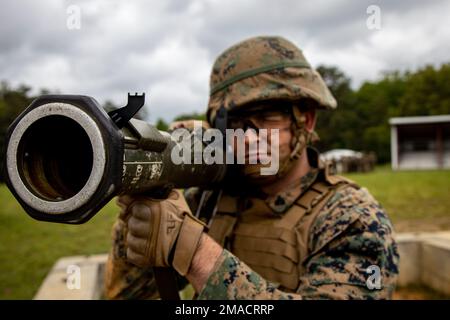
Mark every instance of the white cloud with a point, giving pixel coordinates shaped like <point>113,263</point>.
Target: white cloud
<point>166,48</point>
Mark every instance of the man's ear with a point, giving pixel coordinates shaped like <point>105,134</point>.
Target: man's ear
<point>311,119</point>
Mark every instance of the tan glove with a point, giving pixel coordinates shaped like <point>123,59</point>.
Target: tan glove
<point>162,233</point>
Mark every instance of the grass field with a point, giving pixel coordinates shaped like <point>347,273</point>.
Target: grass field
<point>29,248</point>
<point>414,200</point>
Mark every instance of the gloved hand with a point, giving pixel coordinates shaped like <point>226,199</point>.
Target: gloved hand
<point>161,233</point>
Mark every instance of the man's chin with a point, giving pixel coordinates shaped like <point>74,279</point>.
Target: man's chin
<point>252,174</point>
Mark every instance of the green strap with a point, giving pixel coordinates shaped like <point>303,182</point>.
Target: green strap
<point>253,72</point>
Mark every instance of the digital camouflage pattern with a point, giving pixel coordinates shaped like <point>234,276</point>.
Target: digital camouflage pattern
<point>264,68</point>
<point>350,233</point>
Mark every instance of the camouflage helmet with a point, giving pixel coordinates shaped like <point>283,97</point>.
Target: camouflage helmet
<point>264,68</point>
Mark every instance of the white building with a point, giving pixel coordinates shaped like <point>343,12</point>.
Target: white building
<point>345,160</point>
<point>420,142</point>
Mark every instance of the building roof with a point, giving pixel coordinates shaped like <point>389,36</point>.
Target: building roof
<point>420,119</point>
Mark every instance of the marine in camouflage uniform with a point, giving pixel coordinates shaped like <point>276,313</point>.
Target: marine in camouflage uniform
<point>314,239</point>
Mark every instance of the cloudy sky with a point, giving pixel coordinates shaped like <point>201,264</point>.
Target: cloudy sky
<point>166,48</point>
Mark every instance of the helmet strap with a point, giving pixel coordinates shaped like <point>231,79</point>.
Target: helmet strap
<point>301,137</point>
<point>221,120</point>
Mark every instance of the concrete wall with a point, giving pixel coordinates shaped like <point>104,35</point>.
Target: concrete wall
<point>425,259</point>
<point>58,284</point>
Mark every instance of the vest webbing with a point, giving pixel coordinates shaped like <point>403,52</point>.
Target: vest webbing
<point>274,246</point>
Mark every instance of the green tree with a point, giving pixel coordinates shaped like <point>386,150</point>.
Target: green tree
<point>191,116</point>
<point>338,128</point>
<point>376,103</point>
<point>12,103</point>
<point>427,92</point>
<point>161,125</point>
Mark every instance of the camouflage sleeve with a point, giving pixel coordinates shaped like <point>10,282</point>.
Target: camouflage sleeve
<point>350,234</point>
<point>232,279</point>
<point>122,279</point>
